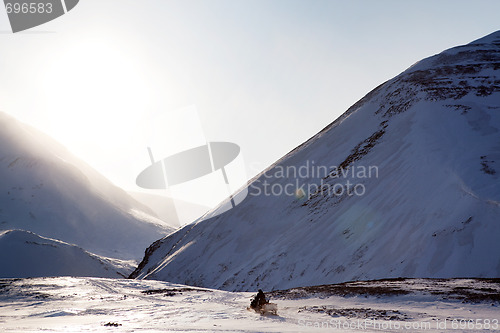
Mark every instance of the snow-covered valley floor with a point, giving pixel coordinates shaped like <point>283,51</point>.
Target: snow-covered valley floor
<point>66,304</point>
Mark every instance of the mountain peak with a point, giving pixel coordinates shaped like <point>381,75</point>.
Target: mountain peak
<point>493,38</point>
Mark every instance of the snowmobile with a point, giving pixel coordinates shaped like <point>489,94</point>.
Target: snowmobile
<point>261,305</point>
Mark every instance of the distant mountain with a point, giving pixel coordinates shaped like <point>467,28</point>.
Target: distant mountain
<point>48,191</point>
<point>165,208</point>
<point>25,254</point>
<point>406,183</point>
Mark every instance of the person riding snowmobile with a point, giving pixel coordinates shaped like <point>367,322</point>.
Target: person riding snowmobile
<point>259,301</point>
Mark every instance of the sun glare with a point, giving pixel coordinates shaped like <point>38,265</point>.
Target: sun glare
<point>95,95</point>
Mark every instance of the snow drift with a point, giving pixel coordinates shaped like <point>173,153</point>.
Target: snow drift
<point>404,184</point>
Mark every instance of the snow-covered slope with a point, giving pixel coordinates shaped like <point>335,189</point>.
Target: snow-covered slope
<point>25,254</point>
<point>46,190</point>
<point>421,197</point>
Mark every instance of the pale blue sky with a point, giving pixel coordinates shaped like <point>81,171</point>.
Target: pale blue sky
<point>266,75</point>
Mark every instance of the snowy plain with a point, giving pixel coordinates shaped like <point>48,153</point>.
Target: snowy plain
<point>66,304</point>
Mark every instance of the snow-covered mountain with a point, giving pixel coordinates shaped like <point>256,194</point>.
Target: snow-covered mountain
<point>48,191</point>
<point>25,254</point>
<point>405,183</point>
